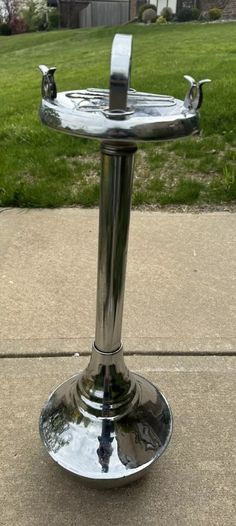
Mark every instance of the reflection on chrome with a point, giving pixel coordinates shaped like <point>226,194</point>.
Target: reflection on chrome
<point>105,449</point>
<point>106,422</point>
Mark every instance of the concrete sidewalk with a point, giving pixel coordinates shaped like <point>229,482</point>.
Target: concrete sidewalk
<point>179,330</point>
<point>180,290</point>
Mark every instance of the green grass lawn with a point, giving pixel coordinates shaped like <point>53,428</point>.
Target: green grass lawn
<point>42,168</point>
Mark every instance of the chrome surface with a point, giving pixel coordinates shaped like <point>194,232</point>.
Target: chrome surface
<point>148,117</point>
<point>194,96</point>
<point>48,87</point>
<point>106,425</point>
<point>120,72</point>
<point>114,216</point>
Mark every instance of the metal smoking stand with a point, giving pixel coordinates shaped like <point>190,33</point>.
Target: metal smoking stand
<point>108,425</point>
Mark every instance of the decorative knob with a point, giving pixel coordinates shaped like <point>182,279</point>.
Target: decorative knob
<point>49,89</point>
<point>194,97</point>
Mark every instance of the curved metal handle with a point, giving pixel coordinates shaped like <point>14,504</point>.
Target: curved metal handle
<point>120,72</point>
<point>48,87</point>
<point>194,96</point>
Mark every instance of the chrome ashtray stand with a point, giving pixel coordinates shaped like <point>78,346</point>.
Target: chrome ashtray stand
<point>108,425</point>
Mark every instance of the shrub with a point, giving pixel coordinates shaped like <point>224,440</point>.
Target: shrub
<point>5,29</point>
<point>214,13</point>
<point>167,13</point>
<point>161,20</point>
<point>149,16</point>
<point>18,25</point>
<point>41,22</point>
<point>53,19</point>
<point>195,13</point>
<point>27,13</point>
<point>186,14</point>
<point>144,8</point>
<point>33,19</point>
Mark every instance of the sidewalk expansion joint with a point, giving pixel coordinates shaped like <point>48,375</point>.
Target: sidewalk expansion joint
<point>84,354</point>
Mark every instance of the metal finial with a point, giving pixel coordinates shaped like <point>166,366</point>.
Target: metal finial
<point>194,96</point>
<point>49,89</point>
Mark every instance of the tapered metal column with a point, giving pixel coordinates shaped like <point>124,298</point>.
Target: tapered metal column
<point>114,217</point>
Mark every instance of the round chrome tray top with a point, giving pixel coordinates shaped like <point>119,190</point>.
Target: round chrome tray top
<point>120,113</point>
<point>148,117</point>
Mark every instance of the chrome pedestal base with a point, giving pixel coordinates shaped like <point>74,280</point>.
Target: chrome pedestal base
<point>106,424</point>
